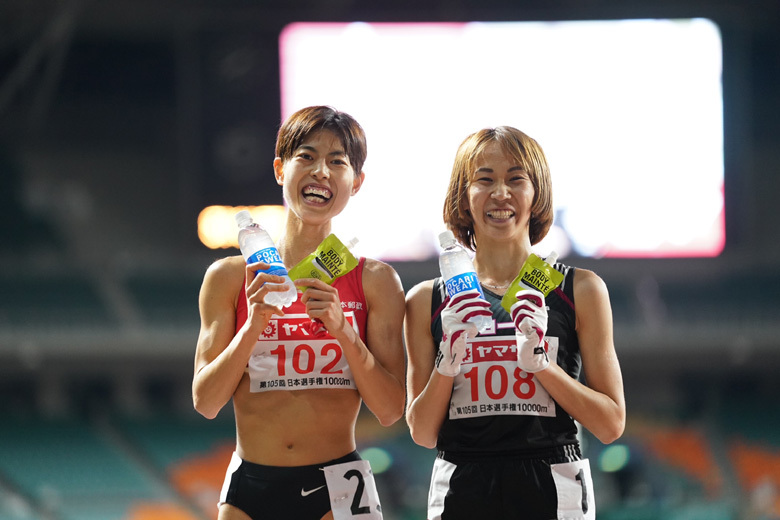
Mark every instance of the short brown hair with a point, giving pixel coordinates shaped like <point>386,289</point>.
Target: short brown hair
<point>527,152</point>
<point>307,120</point>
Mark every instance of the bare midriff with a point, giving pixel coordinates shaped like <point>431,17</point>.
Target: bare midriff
<point>294,427</point>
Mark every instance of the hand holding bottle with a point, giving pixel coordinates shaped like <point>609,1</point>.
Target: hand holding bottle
<point>457,325</point>
<point>256,246</point>
<point>259,284</point>
<point>529,314</point>
<point>459,275</point>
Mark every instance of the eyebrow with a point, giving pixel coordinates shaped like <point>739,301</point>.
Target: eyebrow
<point>490,170</point>
<point>313,149</point>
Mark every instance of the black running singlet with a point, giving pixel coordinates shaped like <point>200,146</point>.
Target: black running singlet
<point>495,406</point>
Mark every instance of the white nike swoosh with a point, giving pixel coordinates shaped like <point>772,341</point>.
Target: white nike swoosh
<point>305,493</point>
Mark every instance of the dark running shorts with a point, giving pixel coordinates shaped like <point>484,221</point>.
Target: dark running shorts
<point>262,492</point>
<point>556,484</point>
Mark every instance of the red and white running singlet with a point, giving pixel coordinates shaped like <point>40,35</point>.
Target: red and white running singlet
<point>296,353</point>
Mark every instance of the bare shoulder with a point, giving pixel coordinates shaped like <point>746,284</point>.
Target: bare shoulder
<point>589,285</point>
<point>420,292</point>
<point>417,322</point>
<point>227,268</point>
<point>225,275</point>
<point>418,302</point>
<point>376,272</point>
<point>591,300</point>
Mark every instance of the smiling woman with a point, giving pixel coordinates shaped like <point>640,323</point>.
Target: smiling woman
<point>507,180</point>
<point>317,175</point>
<point>504,413</point>
<point>297,377</point>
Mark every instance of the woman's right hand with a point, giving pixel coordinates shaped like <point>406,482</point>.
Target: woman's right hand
<point>456,328</point>
<point>257,285</point>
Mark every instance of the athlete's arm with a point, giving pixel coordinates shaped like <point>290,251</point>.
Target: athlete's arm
<point>378,364</point>
<point>222,355</point>
<point>600,406</point>
<point>428,391</point>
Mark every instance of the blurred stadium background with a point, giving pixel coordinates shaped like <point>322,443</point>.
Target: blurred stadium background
<point>121,119</point>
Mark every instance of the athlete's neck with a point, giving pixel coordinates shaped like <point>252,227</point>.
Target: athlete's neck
<point>498,264</point>
<point>300,239</point>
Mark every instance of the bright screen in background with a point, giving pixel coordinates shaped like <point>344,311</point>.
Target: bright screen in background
<point>629,113</point>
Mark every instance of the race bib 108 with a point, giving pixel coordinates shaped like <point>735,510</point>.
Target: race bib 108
<point>491,383</point>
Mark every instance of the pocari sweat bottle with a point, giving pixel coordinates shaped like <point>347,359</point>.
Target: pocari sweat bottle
<point>257,246</point>
<point>459,274</point>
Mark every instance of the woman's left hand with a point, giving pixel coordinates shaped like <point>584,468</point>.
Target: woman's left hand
<point>322,304</point>
<point>529,314</point>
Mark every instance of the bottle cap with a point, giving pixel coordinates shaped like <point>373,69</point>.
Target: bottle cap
<point>352,243</point>
<point>243,218</point>
<point>446,239</point>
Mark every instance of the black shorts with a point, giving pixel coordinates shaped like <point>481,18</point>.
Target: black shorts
<point>508,486</point>
<point>297,493</point>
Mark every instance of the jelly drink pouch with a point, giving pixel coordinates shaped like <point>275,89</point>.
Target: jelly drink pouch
<point>330,260</point>
<point>535,274</point>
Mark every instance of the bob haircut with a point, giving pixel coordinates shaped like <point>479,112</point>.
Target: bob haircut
<point>528,154</point>
<point>308,120</point>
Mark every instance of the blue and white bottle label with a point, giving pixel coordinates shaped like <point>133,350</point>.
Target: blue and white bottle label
<point>270,256</point>
<point>463,282</point>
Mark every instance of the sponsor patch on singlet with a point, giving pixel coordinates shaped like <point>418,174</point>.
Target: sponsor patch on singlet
<point>491,383</point>
<point>293,353</point>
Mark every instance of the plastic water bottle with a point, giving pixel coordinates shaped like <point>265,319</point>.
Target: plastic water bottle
<point>459,274</point>
<point>257,246</point>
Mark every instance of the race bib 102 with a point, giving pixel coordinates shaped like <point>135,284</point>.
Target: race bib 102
<point>491,383</point>
<point>290,355</point>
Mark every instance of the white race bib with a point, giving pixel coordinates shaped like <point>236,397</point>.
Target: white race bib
<point>574,485</point>
<point>352,489</point>
<point>491,383</point>
<point>290,356</point>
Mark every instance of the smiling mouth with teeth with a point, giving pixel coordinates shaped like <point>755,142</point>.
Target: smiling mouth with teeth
<point>316,194</point>
<point>501,213</point>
